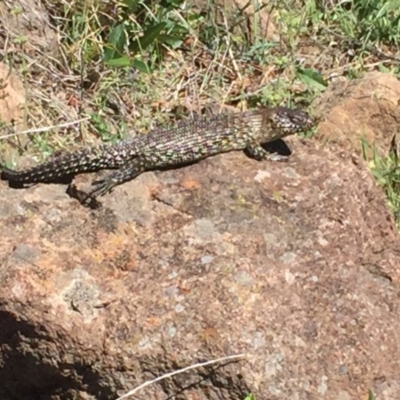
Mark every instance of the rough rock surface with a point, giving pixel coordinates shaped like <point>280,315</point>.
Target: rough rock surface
<point>294,263</point>
<point>12,97</point>
<point>366,108</point>
<point>28,21</point>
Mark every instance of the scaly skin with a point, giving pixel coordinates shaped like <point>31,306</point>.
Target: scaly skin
<point>166,147</point>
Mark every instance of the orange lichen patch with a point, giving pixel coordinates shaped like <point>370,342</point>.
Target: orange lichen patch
<point>190,184</point>
<point>116,249</point>
<point>210,335</point>
<point>152,321</point>
<point>184,290</point>
<point>154,191</point>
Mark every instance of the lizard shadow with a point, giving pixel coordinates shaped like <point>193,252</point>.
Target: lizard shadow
<point>278,146</point>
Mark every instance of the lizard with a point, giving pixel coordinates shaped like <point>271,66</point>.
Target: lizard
<point>186,142</point>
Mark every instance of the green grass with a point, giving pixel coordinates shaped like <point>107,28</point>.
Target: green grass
<point>128,65</point>
<point>386,170</point>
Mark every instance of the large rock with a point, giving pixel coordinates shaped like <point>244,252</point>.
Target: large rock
<point>12,97</point>
<point>293,263</point>
<point>363,109</point>
<point>29,22</point>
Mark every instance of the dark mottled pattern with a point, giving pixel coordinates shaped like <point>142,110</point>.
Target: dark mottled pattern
<point>185,142</point>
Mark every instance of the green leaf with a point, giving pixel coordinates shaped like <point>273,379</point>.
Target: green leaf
<point>170,40</point>
<point>132,5</point>
<point>387,7</point>
<point>116,43</point>
<point>141,66</point>
<point>371,395</point>
<point>148,37</point>
<point>312,79</point>
<point>123,61</point>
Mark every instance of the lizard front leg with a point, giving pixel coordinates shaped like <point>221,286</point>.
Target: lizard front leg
<point>257,152</point>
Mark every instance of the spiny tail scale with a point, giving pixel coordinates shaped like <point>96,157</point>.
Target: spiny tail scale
<point>64,164</point>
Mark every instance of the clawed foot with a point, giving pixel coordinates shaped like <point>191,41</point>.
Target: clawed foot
<point>86,199</point>
<point>101,187</point>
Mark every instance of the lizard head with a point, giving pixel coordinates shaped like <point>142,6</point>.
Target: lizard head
<point>291,120</point>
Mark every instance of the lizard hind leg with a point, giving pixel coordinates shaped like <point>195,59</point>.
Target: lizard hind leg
<point>126,173</point>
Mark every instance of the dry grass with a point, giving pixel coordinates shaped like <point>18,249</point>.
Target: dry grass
<point>71,82</point>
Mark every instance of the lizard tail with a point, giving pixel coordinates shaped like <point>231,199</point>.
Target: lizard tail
<point>64,165</point>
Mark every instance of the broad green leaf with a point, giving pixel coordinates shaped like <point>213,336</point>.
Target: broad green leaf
<point>148,37</point>
<point>123,61</point>
<point>312,79</point>
<point>116,43</point>
<point>132,5</point>
<point>141,66</point>
<point>170,40</point>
